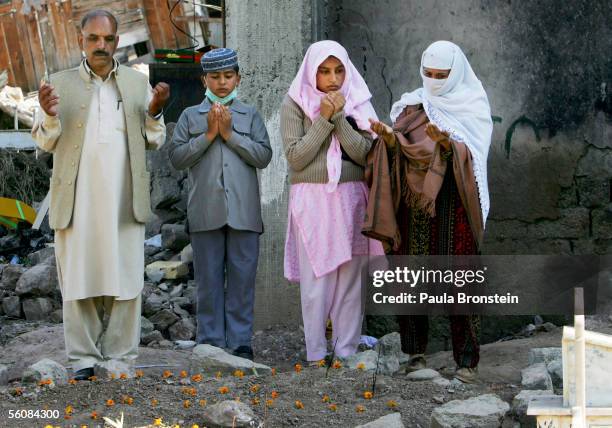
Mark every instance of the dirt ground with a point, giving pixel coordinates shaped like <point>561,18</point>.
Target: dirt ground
<point>155,396</point>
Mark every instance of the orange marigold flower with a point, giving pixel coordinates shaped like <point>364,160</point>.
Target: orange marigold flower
<point>72,382</point>
<point>361,366</point>
<point>224,390</point>
<point>157,422</point>
<point>299,404</point>
<point>255,401</point>
<point>128,400</point>
<point>391,404</point>
<point>298,368</point>
<point>269,403</point>
<point>93,378</point>
<point>186,404</point>
<point>326,399</point>
<point>154,402</point>
<point>167,374</point>
<point>123,376</point>
<point>337,364</point>
<point>68,410</point>
<point>368,395</point>
<point>239,374</point>
<point>332,407</point>
<point>218,375</point>
<point>321,363</point>
<point>110,402</point>
<point>18,391</point>
<point>44,382</point>
<point>113,376</point>
<point>273,371</point>
<point>94,415</point>
<point>255,388</point>
<point>139,373</point>
<point>196,378</point>
<point>67,417</point>
<point>184,374</point>
<point>360,409</point>
<point>202,403</point>
<point>274,394</point>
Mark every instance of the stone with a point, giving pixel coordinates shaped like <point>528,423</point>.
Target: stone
<point>109,368</point>
<point>182,330</point>
<point>45,255</point>
<point>536,377</point>
<point>153,304</point>
<point>176,291</point>
<point>12,306</point>
<point>211,358</point>
<point>392,346</point>
<point>547,326</point>
<point>368,358</point>
<point>45,369</point>
<point>57,316</point>
<point>544,355</point>
<point>423,374</point>
<point>165,192</point>
<point>4,375</point>
<point>40,280</point>
<point>185,344</point>
<point>163,319</point>
<point>184,303</point>
<point>441,381</point>
<point>229,413</point>
<point>146,326</point>
<point>37,309</point>
<point>174,237</point>
<point>392,420</point>
<point>573,223</point>
<point>187,254</point>
<point>10,276</point>
<point>388,365</point>
<point>165,344</point>
<point>602,223</point>
<point>555,369</point>
<point>154,336</point>
<point>484,411</point>
<point>159,270</point>
<point>537,320</point>
<point>520,404</point>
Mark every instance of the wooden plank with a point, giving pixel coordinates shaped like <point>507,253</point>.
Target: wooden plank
<point>25,50</point>
<point>71,34</point>
<point>59,35</point>
<point>182,40</point>
<point>5,60</point>
<point>158,38</point>
<point>36,47</point>
<point>14,48</point>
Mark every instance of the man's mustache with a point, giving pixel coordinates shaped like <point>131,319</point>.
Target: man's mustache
<point>100,53</point>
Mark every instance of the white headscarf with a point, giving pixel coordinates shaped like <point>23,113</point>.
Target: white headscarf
<point>457,105</point>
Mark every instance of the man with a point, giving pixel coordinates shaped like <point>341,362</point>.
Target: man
<point>97,119</point>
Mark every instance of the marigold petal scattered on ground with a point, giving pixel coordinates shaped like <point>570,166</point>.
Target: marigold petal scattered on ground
<point>361,366</point>
<point>186,404</point>
<point>269,403</point>
<point>94,415</point>
<point>297,368</point>
<point>255,401</point>
<point>224,390</point>
<point>273,371</point>
<point>139,373</point>
<point>254,388</point>
<point>360,409</point>
<point>367,395</point>
<point>113,376</point>
<point>391,404</point>
<point>332,407</point>
<point>157,422</point>
<point>154,402</point>
<point>167,374</point>
<point>18,391</point>
<point>67,417</point>
<point>274,394</point>
<point>68,410</point>
<point>128,400</point>
<point>195,426</point>
<point>93,378</point>
<point>183,374</point>
<point>72,382</point>
<point>337,365</point>
<point>123,376</point>
<point>299,404</point>
<point>321,363</point>
<point>326,399</point>
<point>239,374</point>
<point>218,375</point>
<point>110,402</point>
<point>196,378</point>
<point>202,403</point>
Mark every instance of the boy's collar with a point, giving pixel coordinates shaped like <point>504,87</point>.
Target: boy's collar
<point>236,105</point>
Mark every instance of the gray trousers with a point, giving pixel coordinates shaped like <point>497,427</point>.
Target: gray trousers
<point>225,313</point>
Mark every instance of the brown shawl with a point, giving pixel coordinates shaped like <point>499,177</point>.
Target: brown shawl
<point>416,170</point>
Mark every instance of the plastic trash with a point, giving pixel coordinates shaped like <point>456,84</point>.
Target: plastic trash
<point>155,241</point>
<point>14,260</point>
<point>368,341</point>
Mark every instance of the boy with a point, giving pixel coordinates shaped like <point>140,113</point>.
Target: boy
<point>222,142</point>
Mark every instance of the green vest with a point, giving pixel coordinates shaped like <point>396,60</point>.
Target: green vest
<point>74,90</point>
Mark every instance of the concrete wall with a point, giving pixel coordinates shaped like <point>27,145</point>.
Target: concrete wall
<point>547,69</point>
<point>271,37</point>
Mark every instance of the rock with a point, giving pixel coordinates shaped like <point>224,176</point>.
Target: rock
<point>442,381</point>
<point>10,276</point>
<point>180,312</point>
<point>12,306</point>
<point>154,303</point>
<point>529,329</point>
<point>154,336</point>
<point>159,270</point>
<point>163,319</point>
<point>211,358</point>
<point>368,358</point>
<point>146,326</point>
<point>57,316</point>
<point>520,404</point>
<point>41,280</point>
<point>187,254</point>
<point>165,344</point>
<point>536,377</point>
<point>423,374</point>
<point>106,369</point>
<point>182,330</point>
<point>392,420</point>
<point>163,287</point>
<point>537,320</point>
<point>45,369</point>
<point>555,370</point>
<point>185,344</point>
<point>438,399</point>
<point>174,237</point>
<point>4,377</point>
<point>388,365</point>
<point>544,355</point>
<point>37,309</point>
<point>165,192</point>
<point>479,412</point>
<point>229,413</point>
<point>547,326</point>
<point>184,303</point>
<point>392,346</point>
<point>46,256</point>
<point>176,291</point>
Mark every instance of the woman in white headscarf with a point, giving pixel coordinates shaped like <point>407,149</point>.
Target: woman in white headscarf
<point>428,184</point>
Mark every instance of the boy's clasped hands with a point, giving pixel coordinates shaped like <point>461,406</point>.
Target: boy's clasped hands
<point>219,122</point>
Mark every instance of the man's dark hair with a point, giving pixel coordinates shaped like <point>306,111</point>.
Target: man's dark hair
<point>235,68</point>
<point>96,13</point>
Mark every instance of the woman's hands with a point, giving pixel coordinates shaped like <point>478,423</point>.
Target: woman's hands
<point>438,136</point>
<point>332,103</point>
<point>385,132</point>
